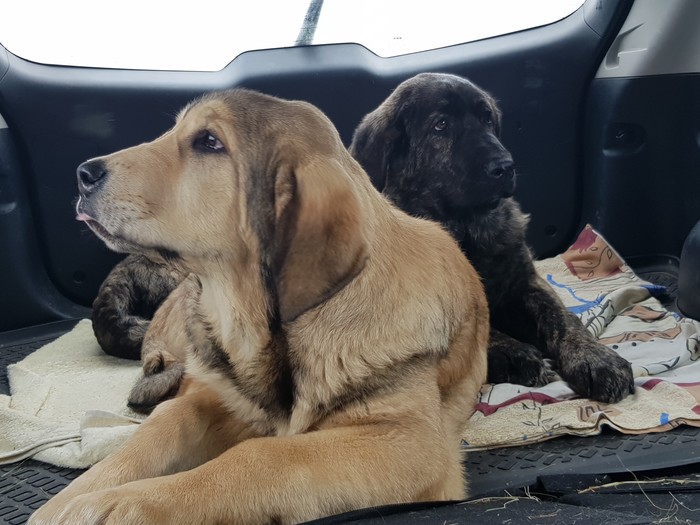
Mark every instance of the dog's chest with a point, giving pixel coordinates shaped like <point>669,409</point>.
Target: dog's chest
<point>288,380</point>
<point>235,354</point>
<point>271,388</point>
<point>259,388</point>
<point>495,244</point>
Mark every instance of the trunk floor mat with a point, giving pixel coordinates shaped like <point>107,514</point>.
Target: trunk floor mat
<point>538,483</point>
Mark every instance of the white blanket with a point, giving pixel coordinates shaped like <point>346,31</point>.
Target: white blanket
<point>68,403</point>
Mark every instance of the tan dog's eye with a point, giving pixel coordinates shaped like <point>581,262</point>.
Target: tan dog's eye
<point>441,125</point>
<point>208,143</point>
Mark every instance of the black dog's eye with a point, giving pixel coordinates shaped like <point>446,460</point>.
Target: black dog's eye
<point>487,117</point>
<point>441,125</point>
<point>207,142</point>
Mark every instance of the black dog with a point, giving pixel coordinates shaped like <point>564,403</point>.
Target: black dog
<point>432,147</point>
<point>127,301</point>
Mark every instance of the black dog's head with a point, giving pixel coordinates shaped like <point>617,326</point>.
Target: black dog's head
<point>433,147</point>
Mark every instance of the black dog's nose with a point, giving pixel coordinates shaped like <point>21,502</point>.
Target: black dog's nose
<point>90,175</point>
<point>502,168</point>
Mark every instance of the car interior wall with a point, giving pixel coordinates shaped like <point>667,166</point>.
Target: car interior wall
<point>642,131</point>
<point>642,161</point>
<point>28,295</point>
<point>60,116</point>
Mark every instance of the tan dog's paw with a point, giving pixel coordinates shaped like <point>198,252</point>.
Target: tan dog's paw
<point>51,510</point>
<point>46,515</point>
<point>93,480</point>
<point>120,505</point>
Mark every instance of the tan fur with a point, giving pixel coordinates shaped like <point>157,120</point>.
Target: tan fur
<point>380,319</point>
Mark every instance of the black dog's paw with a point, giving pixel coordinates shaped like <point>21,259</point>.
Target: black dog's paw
<point>517,363</point>
<point>152,389</point>
<point>596,372</point>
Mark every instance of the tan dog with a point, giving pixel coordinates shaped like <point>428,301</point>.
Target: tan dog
<point>337,343</point>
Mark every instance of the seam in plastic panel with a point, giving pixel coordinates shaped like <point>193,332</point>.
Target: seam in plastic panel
<point>5,61</point>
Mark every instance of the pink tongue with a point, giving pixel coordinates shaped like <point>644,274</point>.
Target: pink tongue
<point>80,215</point>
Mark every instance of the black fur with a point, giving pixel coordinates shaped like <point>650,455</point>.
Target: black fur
<point>155,386</point>
<point>126,302</point>
<point>432,147</point>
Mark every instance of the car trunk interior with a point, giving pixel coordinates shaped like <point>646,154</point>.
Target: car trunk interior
<point>593,142</point>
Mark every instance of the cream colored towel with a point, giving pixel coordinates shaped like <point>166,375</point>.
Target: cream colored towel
<point>68,403</point>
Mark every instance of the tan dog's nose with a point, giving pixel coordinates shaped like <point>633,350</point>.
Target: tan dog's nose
<point>90,175</point>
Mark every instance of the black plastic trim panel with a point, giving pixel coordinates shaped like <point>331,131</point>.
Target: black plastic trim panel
<point>642,153</point>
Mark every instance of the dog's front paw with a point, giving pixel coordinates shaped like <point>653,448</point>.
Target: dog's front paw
<point>518,363</point>
<point>108,507</point>
<point>50,512</point>
<point>596,372</point>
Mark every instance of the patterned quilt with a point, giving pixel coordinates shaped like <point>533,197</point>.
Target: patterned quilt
<point>623,312</point>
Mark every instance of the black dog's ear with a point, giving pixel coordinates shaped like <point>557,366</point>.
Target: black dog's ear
<point>376,142</point>
<point>496,114</point>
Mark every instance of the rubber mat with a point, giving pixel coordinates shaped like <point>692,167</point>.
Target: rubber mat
<point>492,511</point>
<point>662,271</point>
<point>25,486</point>
<point>495,472</point>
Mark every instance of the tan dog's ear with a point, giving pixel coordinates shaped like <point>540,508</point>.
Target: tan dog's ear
<point>319,243</point>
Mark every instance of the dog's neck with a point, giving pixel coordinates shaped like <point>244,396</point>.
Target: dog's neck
<point>416,202</point>
<point>233,304</point>
<point>468,221</point>
<point>477,229</point>
<point>478,221</point>
<point>483,236</point>
<point>229,328</point>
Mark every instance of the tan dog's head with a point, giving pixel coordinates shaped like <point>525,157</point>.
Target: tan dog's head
<point>241,179</point>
